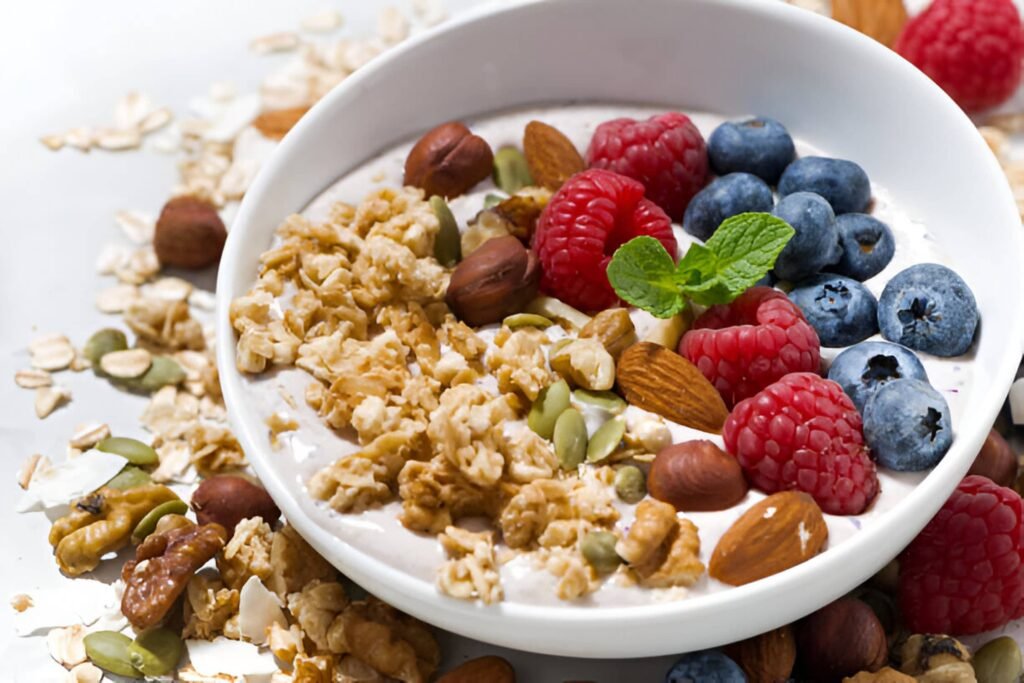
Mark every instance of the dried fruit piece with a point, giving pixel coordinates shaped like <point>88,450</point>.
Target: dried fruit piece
<point>448,160</point>
<point>659,380</point>
<point>773,535</point>
<point>881,19</point>
<point>551,156</point>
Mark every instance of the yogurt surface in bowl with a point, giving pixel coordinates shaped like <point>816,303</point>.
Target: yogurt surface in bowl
<point>377,531</point>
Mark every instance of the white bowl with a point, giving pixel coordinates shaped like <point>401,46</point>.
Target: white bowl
<point>831,86</point>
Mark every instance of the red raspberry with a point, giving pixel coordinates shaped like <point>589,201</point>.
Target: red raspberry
<point>964,573</point>
<point>745,346</point>
<point>591,216</point>
<point>666,153</point>
<point>971,48</point>
<point>804,433</point>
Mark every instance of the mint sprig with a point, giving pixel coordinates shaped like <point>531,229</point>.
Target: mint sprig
<point>740,253</point>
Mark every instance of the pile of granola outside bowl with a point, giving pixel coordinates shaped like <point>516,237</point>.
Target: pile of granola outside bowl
<point>382,258</point>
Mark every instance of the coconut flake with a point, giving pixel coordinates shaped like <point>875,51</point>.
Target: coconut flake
<point>136,225</point>
<point>232,657</point>
<point>73,479</point>
<point>231,119</point>
<point>81,602</point>
<point>66,645</point>
<point>258,610</point>
<point>322,22</point>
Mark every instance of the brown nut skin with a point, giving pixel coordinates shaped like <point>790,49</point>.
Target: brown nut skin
<point>189,233</point>
<point>227,500</point>
<point>996,460</point>
<point>491,669</point>
<point>696,476</point>
<point>448,160</point>
<point>767,658</point>
<point>841,639</point>
<point>495,281</point>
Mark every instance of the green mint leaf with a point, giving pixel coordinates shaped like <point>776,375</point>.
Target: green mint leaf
<point>746,247</point>
<point>644,275</point>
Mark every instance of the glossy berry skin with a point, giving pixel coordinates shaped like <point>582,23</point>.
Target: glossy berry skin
<point>929,308</point>
<point>761,146</point>
<point>744,346</point>
<point>815,245</point>
<point>867,243</point>
<point>842,311</point>
<point>863,369</point>
<point>723,198</point>
<point>804,433</point>
<point>709,666</point>
<point>666,153</point>
<point>591,216</point>
<point>964,573</point>
<point>971,48</point>
<point>843,184</point>
<point>907,426</point>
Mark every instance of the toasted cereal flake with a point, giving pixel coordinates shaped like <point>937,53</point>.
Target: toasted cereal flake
<point>126,364</point>
<point>819,6</point>
<point>21,602</point>
<point>141,265</point>
<point>202,299</point>
<point>238,177</point>
<point>231,120</point>
<point>88,435</point>
<point>54,142</point>
<point>136,225</point>
<point>283,41</point>
<point>111,258</point>
<point>51,352</point>
<point>392,25</point>
<point>81,138</point>
<point>175,463</point>
<point>32,464</point>
<point>169,289</point>
<point>131,109</point>
<point>118,140</point>
<point>79,362</point>
<point>1011,123</point>
<point>66,645</point>
<point>33,379</point>
<point>429,12</point>
<point>117,298</point>
<point>155,120</point>
<point>322,22</point>
<point>86,672</point>
<point>48,399</point>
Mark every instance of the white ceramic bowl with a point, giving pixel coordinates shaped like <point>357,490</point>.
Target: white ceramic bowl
<point>830,85</point>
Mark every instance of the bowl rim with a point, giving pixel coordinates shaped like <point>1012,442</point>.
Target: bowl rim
<point>420,598</point>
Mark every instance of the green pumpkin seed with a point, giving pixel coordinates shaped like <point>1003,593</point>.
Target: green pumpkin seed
<point>526,320</point>
<point>132,450</point>
<point>129,478</point>
<point>491,200</point>
<point>550,403</point>
<point>148,522</point>
<point>103,342</point>
<point>511,172</point>
<point>606,439</point>
<point>448,243</point>
<point>999,661</point>
<point>162,372</point>
<point>608,401</point>
<point>598,548</point>
<point>570,439</point>
<point>109,651</point>
<point>630,484</point>
<point>156,652</point>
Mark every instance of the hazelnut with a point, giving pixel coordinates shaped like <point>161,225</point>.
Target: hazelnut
<point>697,476</point>
<point>448,160</point>
<point>841,639</point>
<point>996,460</point>
<point>767,658</point>
<point>496,280</point>
<point>613,328</point>
<point>228,499</point>
<point>189,233</point>
<point>491,668</point>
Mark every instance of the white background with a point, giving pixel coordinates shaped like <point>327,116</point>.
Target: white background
<point>64,63</point>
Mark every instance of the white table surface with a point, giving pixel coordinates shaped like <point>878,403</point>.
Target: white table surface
<point>65,63</point>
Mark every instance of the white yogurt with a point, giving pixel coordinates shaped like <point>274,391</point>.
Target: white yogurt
<point>378,532</point>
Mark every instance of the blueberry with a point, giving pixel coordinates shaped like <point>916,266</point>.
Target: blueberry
<point>867,243</point>
<point>929,308</point>
<point>816,242</point>
<point>723,198</point>
<point>907,425</point>
<point>842,311</point>
<point>842,183</point>
<point>760,145</point>
<point>709,666</point>
<point>863,369</point>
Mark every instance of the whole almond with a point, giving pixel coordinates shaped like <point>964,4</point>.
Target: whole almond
<point>696,476</point>
<point>491,669</point>
<point>767,658</point>
<point>448,160</point>
<point>551,156</point>
<point>189,233</point>
<point>881,19</point>
<point>660,380</point>
<point>276,123</point>
<point>496,280</point>
<point>779,532</point>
